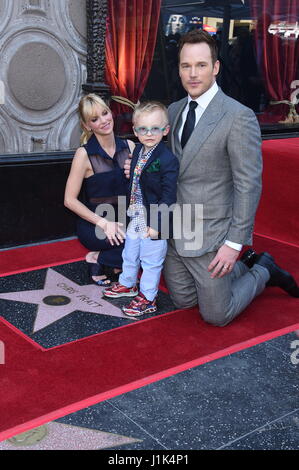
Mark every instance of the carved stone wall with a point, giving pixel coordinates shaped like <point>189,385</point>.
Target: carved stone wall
<point>42,68</point>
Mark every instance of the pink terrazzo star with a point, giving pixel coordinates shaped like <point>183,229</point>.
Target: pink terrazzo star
<point>58,436</point>
<point>60,297</point>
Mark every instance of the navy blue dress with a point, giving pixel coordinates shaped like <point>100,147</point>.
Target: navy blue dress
<point>104,187</point>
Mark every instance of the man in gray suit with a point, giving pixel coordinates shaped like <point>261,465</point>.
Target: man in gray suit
<point>218,143</point>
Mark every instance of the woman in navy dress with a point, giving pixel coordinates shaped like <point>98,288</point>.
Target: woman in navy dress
<point>97,168</point>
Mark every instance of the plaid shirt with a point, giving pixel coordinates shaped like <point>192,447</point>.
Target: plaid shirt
<point>135,210</point>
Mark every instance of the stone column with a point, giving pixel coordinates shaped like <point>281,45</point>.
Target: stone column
<point>96,11</point>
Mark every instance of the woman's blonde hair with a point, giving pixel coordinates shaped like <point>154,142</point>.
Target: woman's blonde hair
<point>149,107</point>
<point>86,112</point>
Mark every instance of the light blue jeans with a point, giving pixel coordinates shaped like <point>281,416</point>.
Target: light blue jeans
<point>150,255</point>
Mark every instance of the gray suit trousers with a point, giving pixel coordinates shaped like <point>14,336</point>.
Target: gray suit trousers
<point>220,300</point>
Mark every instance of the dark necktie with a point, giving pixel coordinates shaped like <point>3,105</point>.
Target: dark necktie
<point>189,123</point>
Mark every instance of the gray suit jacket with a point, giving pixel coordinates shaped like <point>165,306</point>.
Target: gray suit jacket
<point>220,176</point>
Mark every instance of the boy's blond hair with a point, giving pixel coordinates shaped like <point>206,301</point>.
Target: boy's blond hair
<point>149,107</point>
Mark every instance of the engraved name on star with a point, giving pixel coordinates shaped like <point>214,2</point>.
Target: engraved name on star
<point>60,297</point>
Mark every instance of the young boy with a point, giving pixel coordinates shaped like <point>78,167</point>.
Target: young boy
<point>153,181</point>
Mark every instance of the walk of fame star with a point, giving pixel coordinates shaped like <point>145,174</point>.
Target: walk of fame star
<point>60,436</point>
<point>60,297</point>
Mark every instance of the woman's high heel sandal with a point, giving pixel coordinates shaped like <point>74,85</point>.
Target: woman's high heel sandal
<point>97,269</point>
<point>113,276</point>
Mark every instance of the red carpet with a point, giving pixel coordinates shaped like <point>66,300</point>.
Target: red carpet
<point>40,256</point>
<point>39,385</point>
<point>277,215</point>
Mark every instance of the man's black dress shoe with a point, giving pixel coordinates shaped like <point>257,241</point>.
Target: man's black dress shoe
<point>278,277</point>
<point>249,257</point>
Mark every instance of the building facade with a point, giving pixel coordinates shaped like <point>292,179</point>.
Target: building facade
<point>53,51</point>
<point>42,68</point>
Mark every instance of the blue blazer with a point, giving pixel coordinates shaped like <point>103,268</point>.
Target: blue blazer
<point>158,183</point>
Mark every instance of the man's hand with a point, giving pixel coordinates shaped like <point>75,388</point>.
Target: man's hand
<point>223,262</point>
<point>127,166</point>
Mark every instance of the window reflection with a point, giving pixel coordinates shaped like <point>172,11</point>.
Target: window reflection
<point>258,51</point>
<point>284,29</point>
<point>176,24</point>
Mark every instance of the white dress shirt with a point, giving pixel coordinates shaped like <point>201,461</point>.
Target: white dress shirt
<point>202,103</point>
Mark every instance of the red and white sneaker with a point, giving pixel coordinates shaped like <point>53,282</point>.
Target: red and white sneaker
<point>118,290</point>
<point>139,306</point>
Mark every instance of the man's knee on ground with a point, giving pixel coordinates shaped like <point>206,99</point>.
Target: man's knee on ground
<point>217,322</point>
<point>181,303</point>
<point>215,318</point>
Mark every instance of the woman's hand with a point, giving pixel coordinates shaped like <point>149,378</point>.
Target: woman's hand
<point>113,231</point>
